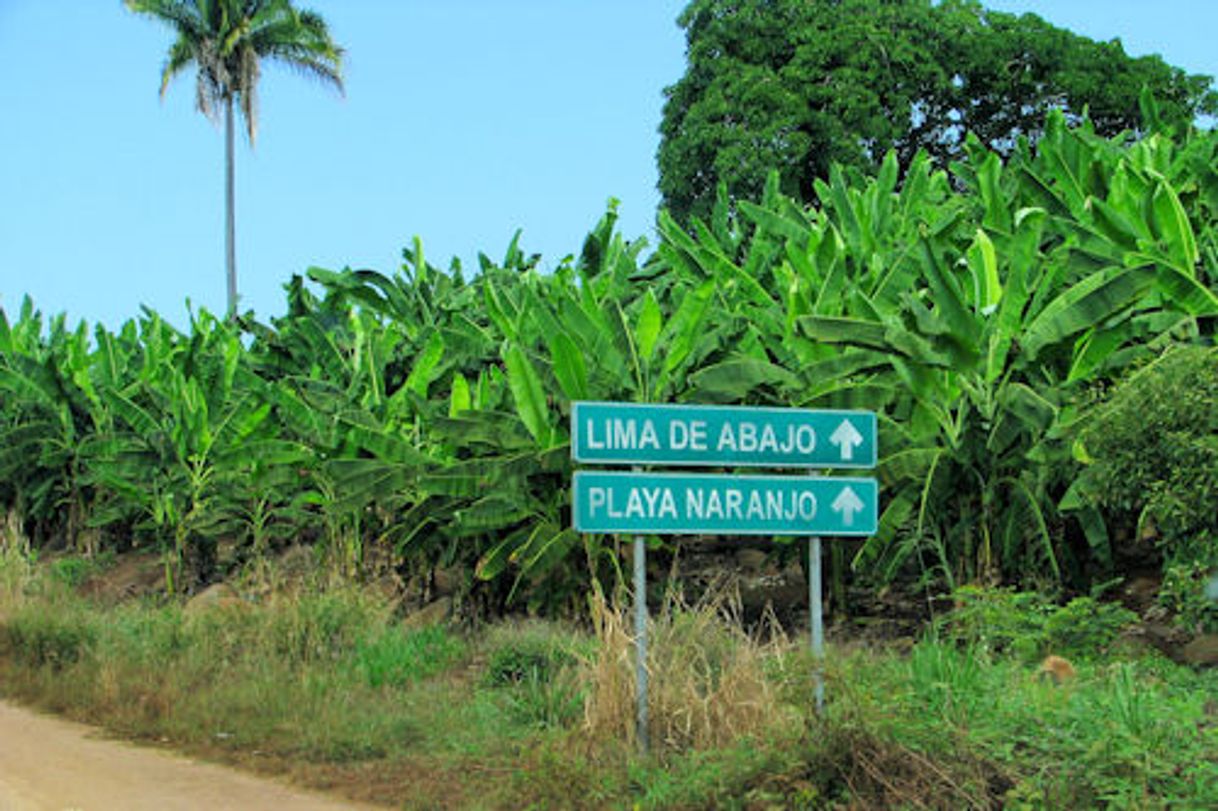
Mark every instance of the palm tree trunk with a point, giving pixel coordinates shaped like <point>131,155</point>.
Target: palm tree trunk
<point>230,238</point>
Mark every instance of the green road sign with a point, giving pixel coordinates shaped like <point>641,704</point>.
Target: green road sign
<point>714,504</point>
<point>721,436</point>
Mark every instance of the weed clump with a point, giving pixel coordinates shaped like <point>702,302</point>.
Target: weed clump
<point>49,639</point>
<point>396,657</point>
<point>535,668</point>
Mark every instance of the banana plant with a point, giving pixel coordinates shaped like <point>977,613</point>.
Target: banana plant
<point>989,349</point>
<point>49,405</point>
<point>185,431</point>
<point>426,412</point>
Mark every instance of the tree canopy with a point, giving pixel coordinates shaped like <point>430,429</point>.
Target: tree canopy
<point>797,85</point>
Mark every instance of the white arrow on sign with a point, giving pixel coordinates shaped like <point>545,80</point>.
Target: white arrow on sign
<point>846,438</point>
<point>847,503</point>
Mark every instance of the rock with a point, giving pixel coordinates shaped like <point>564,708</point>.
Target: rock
<point>297,562</point>
<point>217,595</point>
<point>1201,651</point>
<point>434,613</point>
<point>1140,593</point>
<point>387,587</point>
<point>1057,670</point>
<point>446,581</point>
<point>133,575</point>
<point>750,561</point>
<point>1157,635</point>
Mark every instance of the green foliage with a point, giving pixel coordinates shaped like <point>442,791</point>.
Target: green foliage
<point>798,86</point>
<point>226,40</point>
<point>16,573</point>
<point>946,680</point>
<point>323,627</point>
<point>396,657</point>
<point>543,702</point>
<point>150,635</point>
<point>1188,589</point>
<point>53,639</point>
<point>1152,450</point>
<point>73,570</point>
<point>997,621</point>
<point>1016,308</point>
<point>1125,735</point>
<point>534,652</point>
<point>1004,622</point>
<point>535,668</point>
<point>1086,627</point>
<point>944,725</point>
<point>420,417</point>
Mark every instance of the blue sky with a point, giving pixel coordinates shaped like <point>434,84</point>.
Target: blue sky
<point>463,121</point>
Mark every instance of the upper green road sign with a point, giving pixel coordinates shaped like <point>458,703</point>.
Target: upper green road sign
<point>721,436</point>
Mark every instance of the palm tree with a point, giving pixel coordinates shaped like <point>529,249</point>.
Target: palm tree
<point>226,40</point>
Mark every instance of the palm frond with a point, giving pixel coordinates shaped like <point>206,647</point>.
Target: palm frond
<point>181,55</point>
<point>227,40</point>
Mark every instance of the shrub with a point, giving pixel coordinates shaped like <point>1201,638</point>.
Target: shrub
<point>42,638</point>
<point>997,621</point>
<point>536,652</point>
<point>1085,626</point>
<point>1028,626</point>
<point>1153,454</point>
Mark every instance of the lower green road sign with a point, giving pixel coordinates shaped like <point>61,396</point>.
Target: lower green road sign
<point>712,504</point>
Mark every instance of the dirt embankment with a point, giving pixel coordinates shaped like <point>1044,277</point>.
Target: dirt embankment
<point>47,764</point>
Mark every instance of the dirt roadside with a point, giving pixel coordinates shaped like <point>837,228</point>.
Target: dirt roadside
<point>48,764</point>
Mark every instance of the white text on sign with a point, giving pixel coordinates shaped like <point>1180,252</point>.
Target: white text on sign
<point>701,503</point>
<point>628,434</point>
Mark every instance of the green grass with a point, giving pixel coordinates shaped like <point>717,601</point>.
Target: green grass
<point>331,688</point>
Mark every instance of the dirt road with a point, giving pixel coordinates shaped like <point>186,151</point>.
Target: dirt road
<point>47,764</point>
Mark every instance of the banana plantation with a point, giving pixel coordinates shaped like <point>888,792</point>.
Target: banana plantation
<point>981,311</point>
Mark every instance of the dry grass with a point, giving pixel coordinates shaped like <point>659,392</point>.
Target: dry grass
<point>16,568</point>
<point>708,683</point>
<point>881,773</point>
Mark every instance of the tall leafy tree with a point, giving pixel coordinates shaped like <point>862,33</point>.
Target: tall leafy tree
<point>226,41</point>
<point>797,85</point>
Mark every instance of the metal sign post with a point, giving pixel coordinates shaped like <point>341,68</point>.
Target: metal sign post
<point>817,621</point>
<point>640,640</point>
